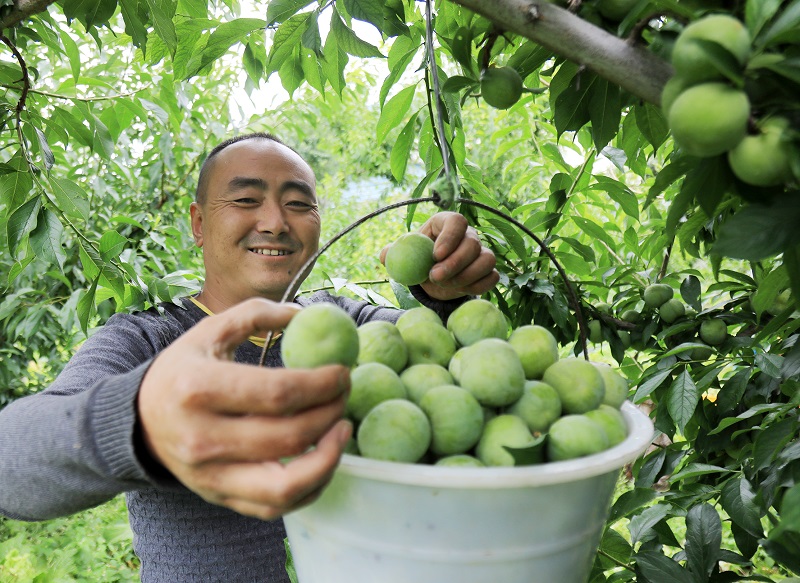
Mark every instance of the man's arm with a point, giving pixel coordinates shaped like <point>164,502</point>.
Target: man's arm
<point>70,447</point>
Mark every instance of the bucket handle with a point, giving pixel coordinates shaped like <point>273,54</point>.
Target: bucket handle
<point>305,270</point>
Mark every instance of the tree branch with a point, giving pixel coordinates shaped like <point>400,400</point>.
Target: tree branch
<point>630,66</point>
<point>22,10</point>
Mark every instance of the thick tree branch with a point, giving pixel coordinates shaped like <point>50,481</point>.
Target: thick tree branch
<point>22,10</point>
<point>630,66</point>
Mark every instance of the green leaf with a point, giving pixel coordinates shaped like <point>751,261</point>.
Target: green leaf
<point>759,231</point>
<point>45,239</point>
<point>690,292</point>
<point>703,540</point>
<point>571,111</point>
<point>163,25</point>
<point>90,260</point>
<point>790,513</point>
<point>397,70</point>
<point>785,28</point>
<point>286,39</point>
<point>620,193</point>
<point>311,37</point>
<point>291,72</point>
<point>651,122</point>
<point>70,197</point>
<point>312,71</point>
<point>135,25</point>
<point>791,363</point>
<point>758,13</point>
<point>593,230</point>
<point>641,524</point>
<point>682,399</point>
<point>394,111</point>
<point>651,383</point>
<point>512,237</point>
<point>15,188</point>
<point>530,454</point>
<point>21,222</point>
<point>279,10</point>
<point>349,42</point>
<point>696,469</point>
<point>367,10</point>
<point>111,245</point>
<point>733,390</point>
<point>85,306</point>
<point>708,182</point>
<point>668,176</point>
<point>630,501</point>
<point>73,54</point>
<point>614,545</point>
<point>604,112</point>
<point>658,568</point>
<point>334,63</point>
<point>401,150</point>
<point>221,40</point>
<point>739,501</point>
<point>769,364</point>
<point>461,49</point>
<point>771,440</point>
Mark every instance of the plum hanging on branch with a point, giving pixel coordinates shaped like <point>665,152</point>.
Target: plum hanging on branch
<point>632,67</point>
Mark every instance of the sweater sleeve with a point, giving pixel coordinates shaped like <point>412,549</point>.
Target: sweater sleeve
<point>71,446</point>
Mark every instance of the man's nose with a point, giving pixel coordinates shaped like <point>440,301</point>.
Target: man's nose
<point>271,218</point>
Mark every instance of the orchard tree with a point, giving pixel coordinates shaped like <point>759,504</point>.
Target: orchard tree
<point>633,163</point>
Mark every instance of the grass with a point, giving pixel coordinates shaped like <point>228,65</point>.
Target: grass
<point>91,546</point>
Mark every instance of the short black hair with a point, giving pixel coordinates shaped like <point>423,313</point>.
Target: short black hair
<point>205,169</point>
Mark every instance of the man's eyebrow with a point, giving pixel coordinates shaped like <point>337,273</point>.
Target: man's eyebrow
<point>243,182</point>
<point>301,186</point>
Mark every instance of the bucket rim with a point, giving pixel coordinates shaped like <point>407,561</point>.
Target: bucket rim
<point>640,436</point>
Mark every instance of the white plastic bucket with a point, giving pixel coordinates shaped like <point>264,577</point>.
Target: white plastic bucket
<point>384,522</point>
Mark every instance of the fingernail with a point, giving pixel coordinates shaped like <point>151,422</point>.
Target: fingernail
<point>345,430</point>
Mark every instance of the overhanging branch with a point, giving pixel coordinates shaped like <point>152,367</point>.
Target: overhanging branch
<point>22,10</point>
<point>630,66</point>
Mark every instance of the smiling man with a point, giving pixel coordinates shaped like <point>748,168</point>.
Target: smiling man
<point>166,405</point>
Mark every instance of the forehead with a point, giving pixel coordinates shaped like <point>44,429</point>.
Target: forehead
<point>261,158</point>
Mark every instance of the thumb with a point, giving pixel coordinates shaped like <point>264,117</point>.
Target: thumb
<point>222,333</point>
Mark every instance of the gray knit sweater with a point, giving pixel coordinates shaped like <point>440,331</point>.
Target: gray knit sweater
<point>75,445</point>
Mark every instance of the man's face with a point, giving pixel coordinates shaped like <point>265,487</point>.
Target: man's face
<point>259,223</point>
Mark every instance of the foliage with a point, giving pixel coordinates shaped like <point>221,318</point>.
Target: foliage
<point>100,146</point>
<point>94,545</point>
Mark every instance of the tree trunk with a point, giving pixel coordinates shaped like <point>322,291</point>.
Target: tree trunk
<point>629,65</point>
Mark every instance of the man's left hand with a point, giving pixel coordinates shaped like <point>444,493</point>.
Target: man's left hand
<point>463,265</point>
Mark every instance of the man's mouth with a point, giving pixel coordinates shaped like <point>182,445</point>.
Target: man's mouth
<point>271,252</point>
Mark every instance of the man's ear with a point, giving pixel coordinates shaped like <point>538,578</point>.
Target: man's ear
<point>196,212</point>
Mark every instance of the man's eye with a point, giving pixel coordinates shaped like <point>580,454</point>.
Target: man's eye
<point>299,204</point>
<point>246,201</point>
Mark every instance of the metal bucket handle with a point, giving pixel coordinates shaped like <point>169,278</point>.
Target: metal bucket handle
<point>305,270</point>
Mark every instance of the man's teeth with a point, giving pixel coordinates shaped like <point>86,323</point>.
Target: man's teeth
<point>269,252</point>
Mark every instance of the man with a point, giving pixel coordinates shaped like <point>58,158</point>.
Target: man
<point>168,407</point>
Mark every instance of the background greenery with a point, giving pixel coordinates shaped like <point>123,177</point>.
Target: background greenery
<point>108,109</point>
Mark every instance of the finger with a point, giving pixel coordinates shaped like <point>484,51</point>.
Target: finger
<point>225,331</point>
<point>469,255</point>
<point>255,438</point>
<point>237,389</point>
<point>267,490</point>
<point>447,229</point>
<point>383,254</point>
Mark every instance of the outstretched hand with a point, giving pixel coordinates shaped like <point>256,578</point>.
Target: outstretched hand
<point>463,265</point>
<point>222,428</point>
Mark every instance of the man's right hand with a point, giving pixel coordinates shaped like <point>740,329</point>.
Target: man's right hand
<point>223,428</point>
